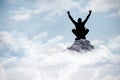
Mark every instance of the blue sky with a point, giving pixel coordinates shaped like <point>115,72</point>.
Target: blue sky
<point>35,16</point>
<point>34,35</point>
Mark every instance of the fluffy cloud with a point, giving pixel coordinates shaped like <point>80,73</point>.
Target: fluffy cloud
<point>52,61</point>
<point>40,36</point>
<point>116,14</point>
<point>103,5</point>
<point>20,17</point>
<point>110,7</point>
<point>114,43</point>
<point>21,14</point>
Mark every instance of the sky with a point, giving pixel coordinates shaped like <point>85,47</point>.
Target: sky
<point>35,16</point>
<point>34,35</point>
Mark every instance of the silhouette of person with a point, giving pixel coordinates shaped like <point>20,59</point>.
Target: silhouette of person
<point>80,32</point>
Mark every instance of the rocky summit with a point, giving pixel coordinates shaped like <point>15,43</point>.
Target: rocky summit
<point>81,45</point>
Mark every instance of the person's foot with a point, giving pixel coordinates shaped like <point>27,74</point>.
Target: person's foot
<point>83,37</point>
<point>77,38</point>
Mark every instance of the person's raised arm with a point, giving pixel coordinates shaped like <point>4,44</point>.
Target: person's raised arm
<point>87,17</point>
<point>68,12</point>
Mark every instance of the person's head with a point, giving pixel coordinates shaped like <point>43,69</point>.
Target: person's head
<point>79,20</point>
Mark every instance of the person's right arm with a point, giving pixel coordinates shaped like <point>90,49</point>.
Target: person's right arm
<point>68,12</point>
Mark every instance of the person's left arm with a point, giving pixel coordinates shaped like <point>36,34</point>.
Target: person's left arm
<point>87,17</point>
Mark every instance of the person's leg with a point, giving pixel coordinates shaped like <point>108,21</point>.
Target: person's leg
<point>75,32</point>
<point>79,34</point>
<point>85,33</point>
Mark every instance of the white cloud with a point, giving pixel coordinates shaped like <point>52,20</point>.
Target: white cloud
<point>116,14</point>
<point>111,7</point>
<point>114,43</point>
<point>5,37</point>
<point>56,7</point>
<point>9,61</point>
<point>20,17</point>
<point>21,14</point>
<point>97,42</point>
<point>3,74</point>
<point>40,36</point>
<point>21,10</point>
<point>49,61</point>
<point>110,77</point>
<point>103,5</point>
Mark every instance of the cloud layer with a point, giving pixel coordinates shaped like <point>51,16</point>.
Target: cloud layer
<point>27,58</point>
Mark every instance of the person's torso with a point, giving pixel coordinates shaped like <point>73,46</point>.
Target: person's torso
<point>80,26</point>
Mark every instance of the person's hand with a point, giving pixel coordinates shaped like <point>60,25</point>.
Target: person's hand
<point>68,12</point>
<point>90,11</point>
